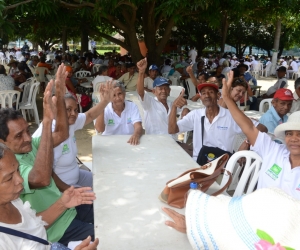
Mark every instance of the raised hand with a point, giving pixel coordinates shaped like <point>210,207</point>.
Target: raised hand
<point>178,222</point>
<point>189,69</point>
<point>73,197</point>
<point>48,105</point>
<point>180,101</point>
<point>85,244</point>
<point>142,65</point>
<point>60,78</point>
<point>107,91</point>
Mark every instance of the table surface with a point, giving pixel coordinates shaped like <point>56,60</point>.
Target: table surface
<point>253,114</point>
<point>87,84</point>
<point>127,181</point>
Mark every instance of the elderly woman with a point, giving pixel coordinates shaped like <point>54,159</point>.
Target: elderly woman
<point>20,217</point>
<point>120,117</point>
<point>65,164</point>
<point>281,163</point>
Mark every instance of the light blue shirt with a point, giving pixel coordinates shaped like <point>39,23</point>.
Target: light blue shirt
<point>271,119</point>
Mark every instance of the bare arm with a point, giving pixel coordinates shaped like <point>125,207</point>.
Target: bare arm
<point>70,198</point>
<point>240,118</point>
<point>189,70</point>
<point>99,124</point>
<point>106,94</point>
<point>142,64</point>
<point>135,138</point>
<point>59,183</point>
<point>40,174</point>
<point>61,132</point>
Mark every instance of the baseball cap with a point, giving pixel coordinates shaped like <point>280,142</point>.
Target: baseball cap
<point>282,69</point>
<point>160,81</point>
<point>203,85</point>
<point>153,67</point>
<point>284,95</point>
<point>179,66</point>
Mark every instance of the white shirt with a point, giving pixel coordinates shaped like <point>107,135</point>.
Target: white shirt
<point>284,63</point>
<point>220,133</point>
<point>6,82</point>
<point>116,125</point>
<point>101,79</point>
<point>156,115</point>
<point>248,64</point>
<point>31,224</point>
<point>192,55</point>
<point>18,54</point>
<point>65,164</point>
<point>277,86</point>
<point>166,69</point>
<point>276,168</point>
<point>296,103</point>
<point>148,83</point>
<point>294,66</point>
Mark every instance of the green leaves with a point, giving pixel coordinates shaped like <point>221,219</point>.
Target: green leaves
<point>264,236</point>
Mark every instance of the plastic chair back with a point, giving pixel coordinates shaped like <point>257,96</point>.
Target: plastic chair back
<point>191,88</point>
<point>165,75</point>
<point>175,91</point>
<point>7,98</point>
<point>82,73</point>
<point>174,80</point>
<point>268,69</point>
<point>250,174</point>
<point>40,73</point>
<point>96,68</point>
<point>262,105</point>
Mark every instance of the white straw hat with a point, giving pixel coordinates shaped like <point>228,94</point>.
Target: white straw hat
<point>293,123</point>
<point>228,223</point>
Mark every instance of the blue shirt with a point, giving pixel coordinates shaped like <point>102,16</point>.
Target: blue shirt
<point>271,119</point>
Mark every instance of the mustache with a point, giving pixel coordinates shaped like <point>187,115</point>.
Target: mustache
<point>24,144</point>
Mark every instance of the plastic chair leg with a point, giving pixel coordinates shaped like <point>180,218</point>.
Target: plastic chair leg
<point>36,115</point>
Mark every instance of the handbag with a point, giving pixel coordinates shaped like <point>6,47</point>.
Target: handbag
<point>81,165</point>
<point>174,194</point>
<point>52,246</point>
<point>206,153</point>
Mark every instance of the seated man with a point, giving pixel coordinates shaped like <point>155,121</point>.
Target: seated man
<point>120,117</point>
<point>157,109</point>
<point>296,94</point>
<point>281,83</point>
<point>35,156</point>
<point>130,78</point>
<point>148,81</point>
<point>219,126</point>
<point>293,68</point>
<point>277,114</point>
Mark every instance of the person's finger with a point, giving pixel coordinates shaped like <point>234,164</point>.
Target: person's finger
<point>182,93</point>
<point>84,189</point>
<point>171,224</point>
<point>84,243</point>
<point>170,212</point>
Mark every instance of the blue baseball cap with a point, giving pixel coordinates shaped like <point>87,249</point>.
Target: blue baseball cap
<point>159,81</point>
<point>153,67</point>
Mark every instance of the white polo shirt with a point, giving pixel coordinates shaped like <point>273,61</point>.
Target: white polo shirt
<point>116,125</point>
<point>276,168</point>
<point>220,133</point>
<point>65,164</point>
<point>296,103</point>
<point>148,83</point>
<point>156,115</point>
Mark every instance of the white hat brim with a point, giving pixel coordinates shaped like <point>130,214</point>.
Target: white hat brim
<point>279,131</point>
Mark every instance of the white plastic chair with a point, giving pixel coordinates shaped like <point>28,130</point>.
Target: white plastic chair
<point>30,103</point>
<point>262,106</point>
<point>165,75</point>
<point>250,172</point>
<point>40,73</point>
<point>96,68</point>
<point>255,71</point>
<point>174,80</point>
<point>191,88</point>
<point>175,91</point>
<point>7,98</point>
<point>296,74</point>
<point>82,73</point>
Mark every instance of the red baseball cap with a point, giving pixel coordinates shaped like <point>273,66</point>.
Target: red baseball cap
<point>207,84</point>
<point>284,95</point>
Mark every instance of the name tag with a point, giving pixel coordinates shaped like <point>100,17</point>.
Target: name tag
<point>222,127</point>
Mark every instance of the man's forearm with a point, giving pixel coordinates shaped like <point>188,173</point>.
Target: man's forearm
<point>172,127</point>
<point>140,84</point>
<point>40,174</point>
<point>99,124</point>
<point>94,112</point>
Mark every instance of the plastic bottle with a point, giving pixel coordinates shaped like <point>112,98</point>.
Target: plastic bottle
<point>193,186</point>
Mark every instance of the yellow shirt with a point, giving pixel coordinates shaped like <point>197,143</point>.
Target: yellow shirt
<point>129,81</point>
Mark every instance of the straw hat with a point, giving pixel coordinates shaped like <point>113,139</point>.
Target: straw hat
<point>228,223</point>
<point>293,123</point>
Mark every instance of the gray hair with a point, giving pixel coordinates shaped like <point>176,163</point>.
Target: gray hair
<point>121,86</point>
<point>3,148</point>
<point>70,96</point>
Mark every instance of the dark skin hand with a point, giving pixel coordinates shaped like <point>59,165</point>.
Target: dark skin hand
<point>178,222</point>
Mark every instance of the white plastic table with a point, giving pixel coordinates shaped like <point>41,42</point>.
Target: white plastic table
<point>253,114</point>
<point>127,181</point>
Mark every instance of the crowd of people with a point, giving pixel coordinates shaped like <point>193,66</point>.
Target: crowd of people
<point>41,170</point>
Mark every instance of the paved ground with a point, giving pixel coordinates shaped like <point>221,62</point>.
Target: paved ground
<point>84,136</point>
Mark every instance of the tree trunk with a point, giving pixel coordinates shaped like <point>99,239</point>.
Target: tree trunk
<point>224,30</point>
<point>84,40</point>
<point>250,50</point>
<point>276,46</point>
<point>64,39</point>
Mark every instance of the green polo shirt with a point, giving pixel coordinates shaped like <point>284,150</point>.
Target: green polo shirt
<point>42,198</point>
